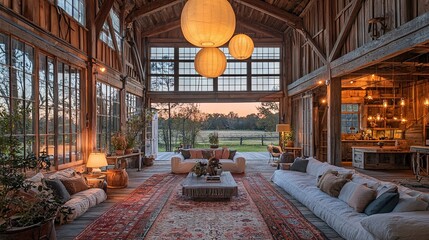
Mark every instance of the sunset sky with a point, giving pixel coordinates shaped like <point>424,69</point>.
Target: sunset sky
<point>242,109</point>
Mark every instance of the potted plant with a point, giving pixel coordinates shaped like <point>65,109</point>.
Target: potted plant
<point>27,210</point>
<point>214,140</point>
<point>288,138</point>
<point>119,143</point>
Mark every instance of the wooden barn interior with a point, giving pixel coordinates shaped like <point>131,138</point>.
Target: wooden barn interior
<point>351,73</point>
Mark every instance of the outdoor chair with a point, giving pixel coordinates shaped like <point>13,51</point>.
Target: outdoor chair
<point>275,153</point>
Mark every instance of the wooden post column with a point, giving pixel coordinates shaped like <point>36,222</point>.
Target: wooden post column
<point>334,120</point>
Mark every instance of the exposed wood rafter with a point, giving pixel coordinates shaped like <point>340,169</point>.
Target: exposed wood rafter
<point>261,28</point>
<point>290,19</point>
<point>150,8</point>
<point>342,37</point>
<point>102,16</point>
<point>158,29</point>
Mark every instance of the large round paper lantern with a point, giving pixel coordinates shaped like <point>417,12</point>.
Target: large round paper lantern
<point>208,23</point>
<point>210,62</point>
<point>241,46</point>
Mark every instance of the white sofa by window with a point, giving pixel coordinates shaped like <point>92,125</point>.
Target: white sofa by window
<point>180,164</point>
<point>342,218</point>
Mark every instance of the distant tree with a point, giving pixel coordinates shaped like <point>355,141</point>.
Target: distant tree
<point>268,113</point>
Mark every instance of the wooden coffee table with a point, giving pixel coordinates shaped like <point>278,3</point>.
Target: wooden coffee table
<point>197,187</point>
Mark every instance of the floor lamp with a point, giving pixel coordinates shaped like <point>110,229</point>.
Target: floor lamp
<point>282,128</point>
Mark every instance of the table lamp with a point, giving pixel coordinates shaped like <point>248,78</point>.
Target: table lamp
<point>95,161</point>
<point>282,128</point>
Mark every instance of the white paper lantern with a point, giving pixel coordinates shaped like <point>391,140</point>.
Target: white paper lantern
<point>241,46</point>
<point>208,23</point>
<point>210,62</point>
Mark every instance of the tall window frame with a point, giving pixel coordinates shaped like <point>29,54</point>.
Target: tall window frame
<point>108,114</point>
<point>74,8</point>
<point>349,117</point>
<point>105,35</point>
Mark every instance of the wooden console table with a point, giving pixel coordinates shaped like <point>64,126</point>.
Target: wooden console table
<point>115,159</point>
<point>381,158</point>
<point>297,151</point>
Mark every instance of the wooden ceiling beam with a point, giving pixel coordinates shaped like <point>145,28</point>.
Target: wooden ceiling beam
<point>205,97</point>
<point>158,29</point>
<point>150,8</point>
<point>342,37</point>
<point>102,16</point>
<point>261,28</point>
<point>261,6</point>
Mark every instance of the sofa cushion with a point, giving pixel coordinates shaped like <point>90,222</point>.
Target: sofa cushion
<point>361,179</point>
<point>196,153</point>
<point>313,166</point>
<point>218,153</point>
<point>58,188</point>
<point>225,153</point>
<point>75,184</point>
<point>299,165</point>
<point>408,204</point>
<point>402,225</point>
<point>186,154</point>
<point>232,154</point>
<point>360,197</point>
<point>207,154</point>
<point>385,203</point>
<point>331,184</point>
<point>386,188</point>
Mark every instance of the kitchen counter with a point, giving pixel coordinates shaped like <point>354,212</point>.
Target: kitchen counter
<point>386,157</point>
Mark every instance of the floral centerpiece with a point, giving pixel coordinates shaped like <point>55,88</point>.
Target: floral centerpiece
<point>119,143</point>
<point>200,168</point>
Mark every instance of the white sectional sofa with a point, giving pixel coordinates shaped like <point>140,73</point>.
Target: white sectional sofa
<point>343,218</point>
<point>180,164</point>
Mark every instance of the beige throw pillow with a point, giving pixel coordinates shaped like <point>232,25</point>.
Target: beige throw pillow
<point>332,184</point>
<point>75,184</point>
<point>361,197</point>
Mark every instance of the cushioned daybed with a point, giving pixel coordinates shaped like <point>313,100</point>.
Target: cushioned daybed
<point>186,159</point>
<point>406,218</point>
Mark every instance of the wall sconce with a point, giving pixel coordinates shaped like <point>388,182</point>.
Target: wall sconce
<point>323,100</point>
<point>426,102</point>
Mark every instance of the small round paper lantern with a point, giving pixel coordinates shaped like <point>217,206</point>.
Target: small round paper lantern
<point>208,23</point>
<point>210,62</point>
<point>241,46</point>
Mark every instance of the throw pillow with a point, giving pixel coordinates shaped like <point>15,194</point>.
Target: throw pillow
<point>218,153</point>
<point>58,188</point>
<point>75,184</point>
<point>232,154</point>
<point>347,191</point>
<point>332,184</point>
<point>196,154</point>
<point>299,165</point>
<point>391,188</point>
<point>401,225</point>
<point>225,153</point>
<point>383,204</point>
<point>276,149</point>
<point>207,154</point>
<point>361,197</point>
<point>320,178</point>
<point>409,204</point>
<point>186,154</point>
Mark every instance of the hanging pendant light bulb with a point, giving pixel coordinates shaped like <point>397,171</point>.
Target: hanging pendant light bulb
<point>402,103</point>
<point>207,23</point>
<point>426,102</point>
<point>210,62</point>
<point>385,103</point>
<point>241,46</point>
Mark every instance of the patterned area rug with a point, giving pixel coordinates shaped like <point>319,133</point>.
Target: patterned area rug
<point>157,210</point>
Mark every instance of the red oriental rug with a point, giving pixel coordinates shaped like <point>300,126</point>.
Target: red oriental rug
<point>157,210</point>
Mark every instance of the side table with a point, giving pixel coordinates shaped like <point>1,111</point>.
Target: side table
<point>96,181</point>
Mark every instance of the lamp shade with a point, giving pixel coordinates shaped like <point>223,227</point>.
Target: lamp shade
<point>96,160</point>
<point>282,127</point>
<point>207,23</point>
<point>241,46</point>
<point>210,62</point>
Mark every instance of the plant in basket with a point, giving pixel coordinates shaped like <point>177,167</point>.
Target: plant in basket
<point>119,143</point>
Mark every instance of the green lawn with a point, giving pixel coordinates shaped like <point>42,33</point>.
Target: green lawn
<point>242,148</point>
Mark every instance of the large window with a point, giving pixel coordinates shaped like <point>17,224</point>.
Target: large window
<point>108,114</point>
<point>75,8</point>
<point>56,95</point>
<point>17,92</point>
<point>260,73</point>
<point>349,118</point>
<point>133,105</point>
<point>105,35</point>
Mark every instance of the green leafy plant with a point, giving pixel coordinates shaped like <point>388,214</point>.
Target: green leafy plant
<point>214,138</point>
<point>22,203</point>
<point>135,126</point>
<point>119,142</point>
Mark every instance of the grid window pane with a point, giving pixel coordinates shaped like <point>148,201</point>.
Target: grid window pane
<point>108,115</point>
<point>265,83</point>
<point>226,83</point>
<point>349,118</point>
<point>195,84</point>
<point>74,8</point>
<point>161,53</point>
